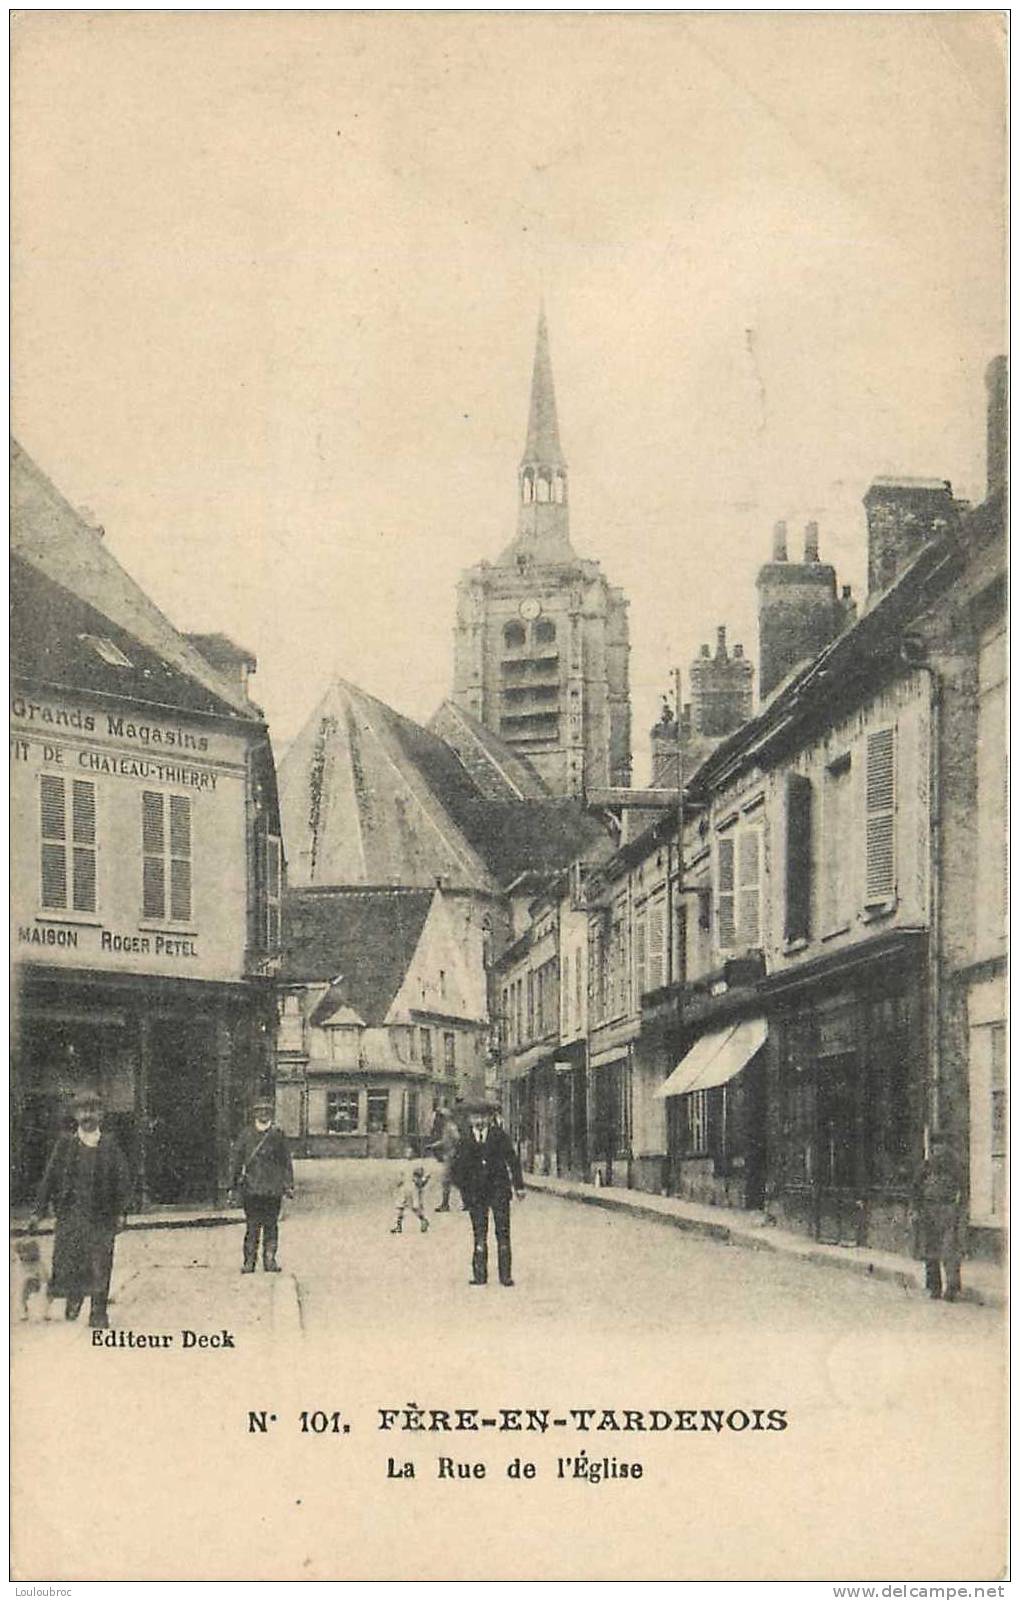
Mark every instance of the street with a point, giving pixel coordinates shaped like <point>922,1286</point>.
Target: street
<point>891,1401</point>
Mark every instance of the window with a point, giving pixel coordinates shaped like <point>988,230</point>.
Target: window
<point>166,856</point>
<point>291,1035</point>
<point>838,861</point>
<point>531,1007</point>
<point>426,1047</point>
<point>880,821</point>
<point>578,1008</point>
<point>545,632</point>
<point>411,1113</point>
<point>640,950</point>
<point>798,857</point>
<point>378,1111</point>
<point>697,1122</point>
<point>67,843</point>
<point>341,1111</point>
<point>412,1043</point>
<point>105,649</point>
<point>514,635</point>
<point>450,1054</point>
<point>344,1045</point>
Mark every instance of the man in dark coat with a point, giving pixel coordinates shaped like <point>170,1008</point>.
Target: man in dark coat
<point>938,1218</point>
<point>486,1169</point>
<point>261,1175</point>
<point>89,1187</point>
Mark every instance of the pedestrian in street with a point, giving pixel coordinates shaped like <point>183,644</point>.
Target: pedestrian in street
<point>411,1184</point>
<point>938,1219</point>
<point>487,1170</point>
<point>445,1148</point>
<point>88,1184</point>
<point>261,1175</point>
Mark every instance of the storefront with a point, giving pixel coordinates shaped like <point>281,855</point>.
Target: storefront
<point>715,1096</point>
<point>846,1093</point>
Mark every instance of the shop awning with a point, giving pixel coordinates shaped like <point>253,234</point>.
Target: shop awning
<point>716,1058</point>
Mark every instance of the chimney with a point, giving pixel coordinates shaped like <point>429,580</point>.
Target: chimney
<point>904,514</point>
<point>721,690</point>
<point>798,614</point>
<point>997,382</point>
<point>666,741</point>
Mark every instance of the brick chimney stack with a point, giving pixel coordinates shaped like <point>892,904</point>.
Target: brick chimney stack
<point>903,515</point>
<point>997,381</point>
<point>798,614</point>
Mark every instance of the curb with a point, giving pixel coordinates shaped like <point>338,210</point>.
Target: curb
<point>907,1278</point>
<point>141,1223</point>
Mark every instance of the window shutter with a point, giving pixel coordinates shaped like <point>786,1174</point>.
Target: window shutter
<point>749,912</point>
<point>656,941</point>
<point>53,849</point>
<point>153,870</point>
<point>725,908</point>
<point>180,890</point>
<point>152,823</point>
<point>640,953</point>
<point>798,856</point>
<point>180,826</point>
<point>880,821</point>
<point>83,833</point>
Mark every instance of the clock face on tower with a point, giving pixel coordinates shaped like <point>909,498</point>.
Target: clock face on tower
<point>530,609</point>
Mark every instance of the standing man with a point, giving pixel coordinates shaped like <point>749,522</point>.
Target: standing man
<point>937,1215</point>
<point>89,1186</point>
<point>262,1174</point>
<point>445,1149</point>
<point>486,1169</point>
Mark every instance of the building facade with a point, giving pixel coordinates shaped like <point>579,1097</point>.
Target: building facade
<point>147,870</point>
<point>541,642</point>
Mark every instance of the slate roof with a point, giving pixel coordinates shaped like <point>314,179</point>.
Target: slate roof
<point>360,942</point>
<point>370,797</point>
<point>497,769</point>
<point>542,446</point>
<point>68,592</point>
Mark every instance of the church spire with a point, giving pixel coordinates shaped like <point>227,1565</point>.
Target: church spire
<point>543,521</point>
<point>542,447</point>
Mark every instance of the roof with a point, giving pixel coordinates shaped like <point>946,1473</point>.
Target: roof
<point>369,797</point>
<point>68,592</point>
<point>358,941</point>
<point>496,768</point>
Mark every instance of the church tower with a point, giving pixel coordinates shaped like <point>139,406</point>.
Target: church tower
<point>541,642</point>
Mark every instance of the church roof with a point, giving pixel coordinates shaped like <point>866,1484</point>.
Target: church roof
<point>358,941</point>
<point>79,620</point>
<point>369,797</point>
<point>542,447</point>
<point>497,769</point>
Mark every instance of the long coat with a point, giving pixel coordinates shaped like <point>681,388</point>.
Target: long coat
<point>937,1203</point>
<point>89,1191</point>
<point>261,1163</point>
<point>486,1170</point>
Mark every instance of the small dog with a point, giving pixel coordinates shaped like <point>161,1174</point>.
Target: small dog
<point>33,1277</point>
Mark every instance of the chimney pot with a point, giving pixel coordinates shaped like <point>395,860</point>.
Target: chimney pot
<point>811,542</point>
<point>847,592</point>
<point>720,648</point>
<point>738,650</point>
<point>779,541</point>
<point>705,651</point>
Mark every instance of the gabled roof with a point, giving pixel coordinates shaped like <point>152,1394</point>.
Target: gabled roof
<point>370,797</point>
<point>69,592</point>
<point>358,941</point>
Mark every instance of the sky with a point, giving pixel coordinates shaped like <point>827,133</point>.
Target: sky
<point>276,277</point>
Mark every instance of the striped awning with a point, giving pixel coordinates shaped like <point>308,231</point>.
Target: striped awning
<point>716,1058</point>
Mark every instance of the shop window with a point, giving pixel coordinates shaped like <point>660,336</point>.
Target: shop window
<point>67,843</point>
<point>880,819</point>
<point>378,1111</point>
<point>166,856</point>
<point>425,1035</point>
<point>341,1111</point>
<point>450,1054</point>
<point>697,1123</point>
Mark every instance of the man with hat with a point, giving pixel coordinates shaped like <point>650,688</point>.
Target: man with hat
<point>937,1213</point>
<point>486,1169</point>
<point>261,1174</point>
<point>88,1185</point>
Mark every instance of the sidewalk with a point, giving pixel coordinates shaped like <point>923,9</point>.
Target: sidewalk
<point>984,1282</point>
<point>154,1217</point>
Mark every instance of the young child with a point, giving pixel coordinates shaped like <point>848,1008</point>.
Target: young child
<point>411,1193</point>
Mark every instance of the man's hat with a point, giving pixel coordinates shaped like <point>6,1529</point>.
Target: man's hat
<point>263,1103</point>
<point>479,1104</point>
<point>87,1101</point>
